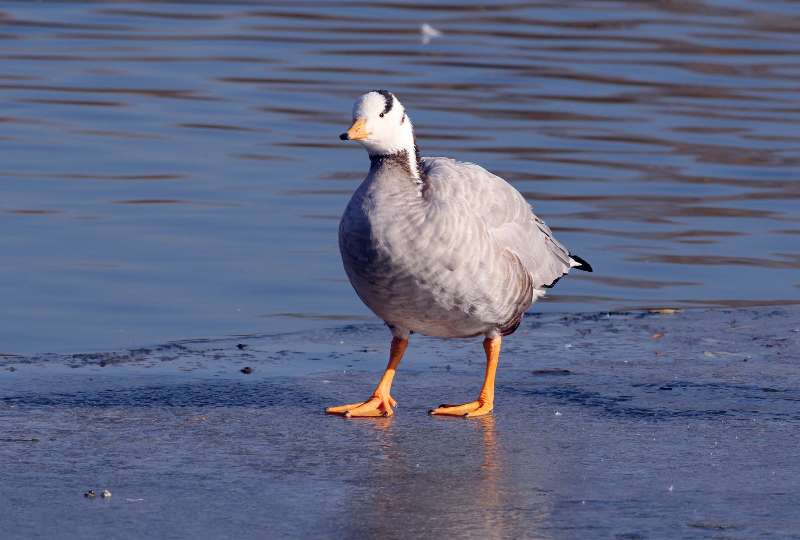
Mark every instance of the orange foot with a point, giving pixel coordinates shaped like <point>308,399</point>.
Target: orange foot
<point>467,410</point>
<point>377,405</point>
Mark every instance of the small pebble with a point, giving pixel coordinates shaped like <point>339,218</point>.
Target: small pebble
<point>241,346</point>
<point>551,371</point>
<point>90,494</point>
<point>246,370</point>
<point>105,494</point>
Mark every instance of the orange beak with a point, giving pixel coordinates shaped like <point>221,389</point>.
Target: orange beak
<point>357,131</point>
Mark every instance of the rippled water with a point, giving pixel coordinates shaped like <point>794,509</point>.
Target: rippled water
<point>172,170</point>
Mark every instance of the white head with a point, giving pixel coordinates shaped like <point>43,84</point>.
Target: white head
<point>381,124</point>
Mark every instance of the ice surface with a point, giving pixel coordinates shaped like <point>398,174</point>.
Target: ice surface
<point>655,438</point>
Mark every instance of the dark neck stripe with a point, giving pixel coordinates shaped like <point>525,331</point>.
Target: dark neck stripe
<point>418,158</point>
<point>400,159</point>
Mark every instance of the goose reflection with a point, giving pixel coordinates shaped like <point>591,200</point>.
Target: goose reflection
<point>447,477</point>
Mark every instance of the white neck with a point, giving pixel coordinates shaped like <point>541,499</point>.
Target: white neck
<point>400,141</point>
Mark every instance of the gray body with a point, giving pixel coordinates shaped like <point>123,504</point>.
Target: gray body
<point>456,253</point>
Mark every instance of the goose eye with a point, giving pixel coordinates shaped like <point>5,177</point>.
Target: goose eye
<point>381,115</point>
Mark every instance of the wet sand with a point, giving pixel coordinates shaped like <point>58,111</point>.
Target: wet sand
<point>607,425</point>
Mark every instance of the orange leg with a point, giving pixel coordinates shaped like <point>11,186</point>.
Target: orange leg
<point>485,402</point>
<point>381,401</point>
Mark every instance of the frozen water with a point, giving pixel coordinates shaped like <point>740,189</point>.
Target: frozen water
<point>656,439</point>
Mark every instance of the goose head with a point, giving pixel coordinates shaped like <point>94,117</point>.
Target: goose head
<point>381,125</point>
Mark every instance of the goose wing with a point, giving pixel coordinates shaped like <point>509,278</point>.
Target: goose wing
<point>509,221</point>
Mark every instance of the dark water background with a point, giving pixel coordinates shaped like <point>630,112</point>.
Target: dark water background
<point>171,170</point>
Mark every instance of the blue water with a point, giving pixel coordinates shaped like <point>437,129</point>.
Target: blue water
<point>172,170</point>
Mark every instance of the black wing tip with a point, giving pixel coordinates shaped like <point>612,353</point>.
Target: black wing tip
<point>584,264</point>
<point>553,283</point>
